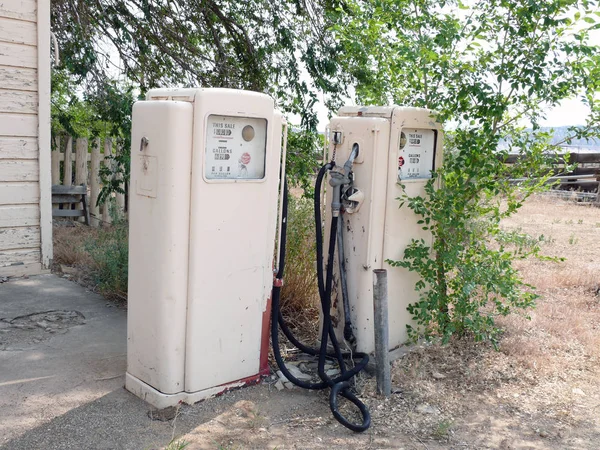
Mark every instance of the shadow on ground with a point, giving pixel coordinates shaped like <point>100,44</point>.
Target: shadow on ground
<point>62,366</point>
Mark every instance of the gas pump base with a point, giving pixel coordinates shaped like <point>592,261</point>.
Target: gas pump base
<point>160,400</point>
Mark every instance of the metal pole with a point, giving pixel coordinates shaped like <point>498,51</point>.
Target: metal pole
<point>381,325</point>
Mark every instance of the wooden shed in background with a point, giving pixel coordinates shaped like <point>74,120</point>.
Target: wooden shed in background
<point>25,191</point>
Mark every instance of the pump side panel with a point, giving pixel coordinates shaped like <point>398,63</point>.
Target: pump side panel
<point>158,243</point>
<point>401,223</point>
<point>232,238</point>
<point>363,230</point>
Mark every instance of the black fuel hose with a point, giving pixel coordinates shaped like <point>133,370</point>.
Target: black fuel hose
<point>341,384</point>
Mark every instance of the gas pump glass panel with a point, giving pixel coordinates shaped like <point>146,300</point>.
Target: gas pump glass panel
<point>416,154</point>
<point>235,148</point>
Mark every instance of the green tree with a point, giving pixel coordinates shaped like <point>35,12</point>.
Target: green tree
<point>106,113</point>
<point>279,47</point>
<point>490,69</point>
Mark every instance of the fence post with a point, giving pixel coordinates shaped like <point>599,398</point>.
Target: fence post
<point>106,163</point>
<point>81,170</point>
<point>381,326</point>
<point>68,167</point>
<point>120,198</point>
<point>56,161</point>
<point>95,183</point>
<point>55,169</point>
<point>68,163</point>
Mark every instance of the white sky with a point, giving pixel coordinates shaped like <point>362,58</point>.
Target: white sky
<point>570,112</point>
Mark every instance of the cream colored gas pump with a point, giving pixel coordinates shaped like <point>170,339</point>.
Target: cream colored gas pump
<point>374,153</point>
<point>396,146</point>
<point>205,166</point>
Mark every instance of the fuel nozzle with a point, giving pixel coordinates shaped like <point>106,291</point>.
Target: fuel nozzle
<point>338,179</point>
<point>353,156</point>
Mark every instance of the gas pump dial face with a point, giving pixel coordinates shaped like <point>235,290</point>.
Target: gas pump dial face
<point>416,152</point>
<point>235,148</point>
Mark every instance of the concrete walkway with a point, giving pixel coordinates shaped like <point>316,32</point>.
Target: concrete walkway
<point>62,371</point>
<point>61,347</point>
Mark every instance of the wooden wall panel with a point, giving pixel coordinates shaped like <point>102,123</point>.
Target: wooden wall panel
<point>18,55</point>
<point>21,42</point>
<point>19,193</point>
<point>22,102</point>
<point>19,238</point>
<point>19,9</point>
<point>18,78</point>
<point>18,257</point>
<point>18,148</point>
<point>18,125</point>
<point>19,170</point>
<point>19,216</point>
<point>18,31</point>
<point>18,270</point>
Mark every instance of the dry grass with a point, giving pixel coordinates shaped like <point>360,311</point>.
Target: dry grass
<point>299,295</point>
<point>567,318</point>
<point>542,389</point>
<point>93,257</point>
<point>69,240</point>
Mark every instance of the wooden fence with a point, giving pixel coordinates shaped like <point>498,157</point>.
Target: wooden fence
<point>78,161</point>
<point>585,177</point>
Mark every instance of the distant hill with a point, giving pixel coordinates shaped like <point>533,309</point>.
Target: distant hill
<point>576,145</point>
<point>560,133</point>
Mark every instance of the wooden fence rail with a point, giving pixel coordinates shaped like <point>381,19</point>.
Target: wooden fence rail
<point>86,158</point>
<point>585,176</point>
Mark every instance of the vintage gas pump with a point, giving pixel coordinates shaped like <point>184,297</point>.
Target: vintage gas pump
<point>374,152</point>
<point>205,172</point>
<point>397,146</point>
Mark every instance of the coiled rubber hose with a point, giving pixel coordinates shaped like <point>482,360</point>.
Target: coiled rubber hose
<point>341,384</point>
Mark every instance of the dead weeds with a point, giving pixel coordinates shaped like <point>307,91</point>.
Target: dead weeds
<point>540,390</point>
<point>69,239</point>
<point>96,258</point>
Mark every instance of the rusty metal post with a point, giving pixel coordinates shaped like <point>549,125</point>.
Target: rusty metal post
<point>381,327</point>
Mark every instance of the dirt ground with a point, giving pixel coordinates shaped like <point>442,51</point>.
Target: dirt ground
<point>541,390</point>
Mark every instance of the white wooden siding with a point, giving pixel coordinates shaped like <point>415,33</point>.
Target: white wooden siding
<point>15,238</point>
<point>18,55</point>
<point>19,193</point>
<point>20,269</point>
<point>19,9</point>
<point>23,256</point>
<point>18,78</point>
<point>18,148</point>
<point>18,32</point>
<point>19,170</point>
<point>19,216</point>
<point>24,117</point>
<point>13,101</point>
<point>21,125</point>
